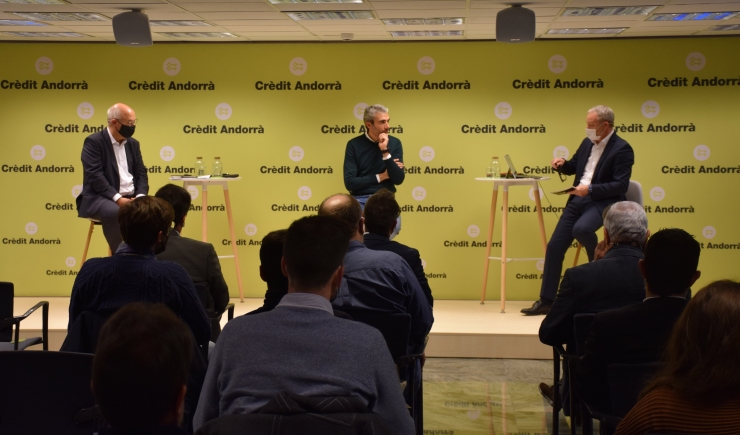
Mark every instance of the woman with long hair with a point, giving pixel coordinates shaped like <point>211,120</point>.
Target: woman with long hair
<point>698,390</point>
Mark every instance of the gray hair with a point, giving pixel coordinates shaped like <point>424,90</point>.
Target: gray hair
<point>114,112</point>
<point>626,222</point>
<point>603,113</point>
<point>370,112</point>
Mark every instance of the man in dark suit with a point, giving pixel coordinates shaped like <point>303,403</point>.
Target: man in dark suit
<point>198,258</point>
<point>611,282</point>
<point>381,214</point>
<point>602,165</point>
<point>638,333</point>
<point>271,254</point>
<point>114,172</point>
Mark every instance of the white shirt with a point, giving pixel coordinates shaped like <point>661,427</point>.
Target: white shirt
<point>593,159</point>
<point>126,179</point>
<point>377,176</point>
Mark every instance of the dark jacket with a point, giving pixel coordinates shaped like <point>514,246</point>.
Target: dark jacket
<point>376,242</point>
<point>612,282</point>
<point>612,174</point>
<point>100,180</point>
<point>634,334</point>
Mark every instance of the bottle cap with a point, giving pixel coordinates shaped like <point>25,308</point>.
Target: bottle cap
<point>199,158</point>
<point>218,158</point>
<point>495,157</point>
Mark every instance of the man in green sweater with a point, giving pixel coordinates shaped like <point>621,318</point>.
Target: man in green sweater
<point>374,160</point>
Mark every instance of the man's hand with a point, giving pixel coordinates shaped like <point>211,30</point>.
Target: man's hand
<point>383,175</point>
<point>557,163</point>
<point>399,163</point>
<point>121,201</point>
<point>601,249</point>
<point>580,190</point>
<point>383,141</point>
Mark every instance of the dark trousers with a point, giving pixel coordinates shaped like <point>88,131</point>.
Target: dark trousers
<point>579,221</point>
<point>107,214</point>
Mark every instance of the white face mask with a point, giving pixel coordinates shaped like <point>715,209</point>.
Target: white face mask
<point>592,134</point>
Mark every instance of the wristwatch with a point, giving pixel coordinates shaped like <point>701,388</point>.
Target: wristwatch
<point>385,151</point>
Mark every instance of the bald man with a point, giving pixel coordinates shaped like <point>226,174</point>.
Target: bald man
<point>114,172</point>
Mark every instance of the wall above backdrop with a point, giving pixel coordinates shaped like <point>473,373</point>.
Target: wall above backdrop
<point>367,20</point>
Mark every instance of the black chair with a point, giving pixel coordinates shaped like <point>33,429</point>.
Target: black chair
<point>47,393</point>
<point>204,293</point>
<point>395,328</point>
<point>8,321</point>
<point>625,383</point>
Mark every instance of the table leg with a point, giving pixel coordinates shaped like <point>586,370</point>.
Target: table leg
<point>538,204</point>
<point>491,219</point>
<point>504,227</point>
<point>233,241</point>
<point>204,212</point>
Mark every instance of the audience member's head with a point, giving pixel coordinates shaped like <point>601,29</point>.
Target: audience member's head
<point>671,260</point>
<point>702,357</point>
<point>626,222</point>
<point>179,199</point>
<point>314,253</point>
<point>271,253</point>
<point>381,212</point>
<point>345,208</point>
<point>145,223</point>
<point>141,367</point>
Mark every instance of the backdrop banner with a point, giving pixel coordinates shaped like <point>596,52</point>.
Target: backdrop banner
<point>280,116</point>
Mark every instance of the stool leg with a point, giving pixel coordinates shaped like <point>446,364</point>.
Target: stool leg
<point>87,242</point>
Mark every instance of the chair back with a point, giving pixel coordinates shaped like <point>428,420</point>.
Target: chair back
<point>45,393</point>
<point>7,293</point>
<point>581,328</point>
<point>634,192</point>
<point>206,298</point>
<point>625,383</point>
<point>395,327</point>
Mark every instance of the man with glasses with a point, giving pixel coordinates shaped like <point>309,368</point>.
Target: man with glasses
<point>114,172</point>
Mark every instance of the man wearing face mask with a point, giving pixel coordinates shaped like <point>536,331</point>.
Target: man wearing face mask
<point>602,166</point>
<point>374,160</point>
<point>133,273</point>
<point>114,172</point>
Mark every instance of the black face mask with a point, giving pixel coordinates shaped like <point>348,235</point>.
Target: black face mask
<point>126,130</point>
<point>160,247</point>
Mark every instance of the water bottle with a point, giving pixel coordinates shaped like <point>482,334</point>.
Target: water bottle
<point>217,168</point>
<point>200,167</point>
<point>495,170</point>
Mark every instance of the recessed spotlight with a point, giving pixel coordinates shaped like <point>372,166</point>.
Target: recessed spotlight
<point>590,31</point>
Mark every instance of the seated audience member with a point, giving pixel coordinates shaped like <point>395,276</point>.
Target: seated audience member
<point>140,370</point>
<point>698,390</point>
<point>133,274</point>
<point>638,333</point>
<point>198,258</point>
<point>300,347</point>
<point>377,280</point>
<point>271,254</point>
<point>612,282</point>
<point>381,215</point>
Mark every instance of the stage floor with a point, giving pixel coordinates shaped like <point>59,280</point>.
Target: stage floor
<point>462,329</point>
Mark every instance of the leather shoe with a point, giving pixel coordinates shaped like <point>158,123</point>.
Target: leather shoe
<point>541,306</point>
<point>547,393</point>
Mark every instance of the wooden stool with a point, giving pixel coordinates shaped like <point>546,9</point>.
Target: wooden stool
<point>93,222</point>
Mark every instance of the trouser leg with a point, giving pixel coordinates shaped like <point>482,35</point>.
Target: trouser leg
<point>558,245</point>
<point>585,229</point>
<point>107,214</point>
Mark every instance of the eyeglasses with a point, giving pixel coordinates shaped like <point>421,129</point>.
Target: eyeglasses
<point>563,178</point>
<point>130,123</point>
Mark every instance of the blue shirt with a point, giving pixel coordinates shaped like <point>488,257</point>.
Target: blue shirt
<point>383,281</point>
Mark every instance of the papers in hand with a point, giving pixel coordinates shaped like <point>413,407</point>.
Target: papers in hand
<point>185,177</point>
<point>564,191</point>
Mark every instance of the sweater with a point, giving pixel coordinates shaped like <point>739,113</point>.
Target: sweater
<point>663,411</point>
<point>304,350</point>
<point>363,161</point>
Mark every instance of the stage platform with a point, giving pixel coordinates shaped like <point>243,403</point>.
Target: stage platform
<point>462,329</point>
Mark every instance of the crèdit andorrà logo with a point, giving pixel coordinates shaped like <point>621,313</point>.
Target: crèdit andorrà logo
<point>502,110</point>
<point>250,229</point>
<point>85,110</point>
<point>296,153</point>
<point>557,64</point>
<point>650,109</point>
<point>298,66</point>
<point>171,66</point>
<point>44,65</point>
<point>657,193</point>
<point>426,65</point>
<point>223,111</point>
<point>38,152</point>
<point>419,193</point>
<point>473,231</point>
<point>426,154</point>
<point>359,110</point>
<point>695,61</point>
<point>167,153</point>
<point>701,152</point>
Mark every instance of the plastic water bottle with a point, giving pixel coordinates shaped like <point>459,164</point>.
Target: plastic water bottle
<point>495,168</point>
<point>200,167</point>
<point>217,169</point>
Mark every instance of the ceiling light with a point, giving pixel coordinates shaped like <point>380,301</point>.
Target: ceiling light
<point>178,23</point>
<point>198,34</point>
<point>423,21</point>
<point>36,2</point>
<point>726,27</point>
<point>332,15</point>
<point>593,31</point>
<point>314,1</point>
<point>696,16</point>
<point>20,23</point>
<point>46,34</point>
<point>428,33</point>
<point>61,16</point>
<point>603,12</point>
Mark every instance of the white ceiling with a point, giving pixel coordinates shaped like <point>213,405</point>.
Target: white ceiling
<point>259,20</point>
